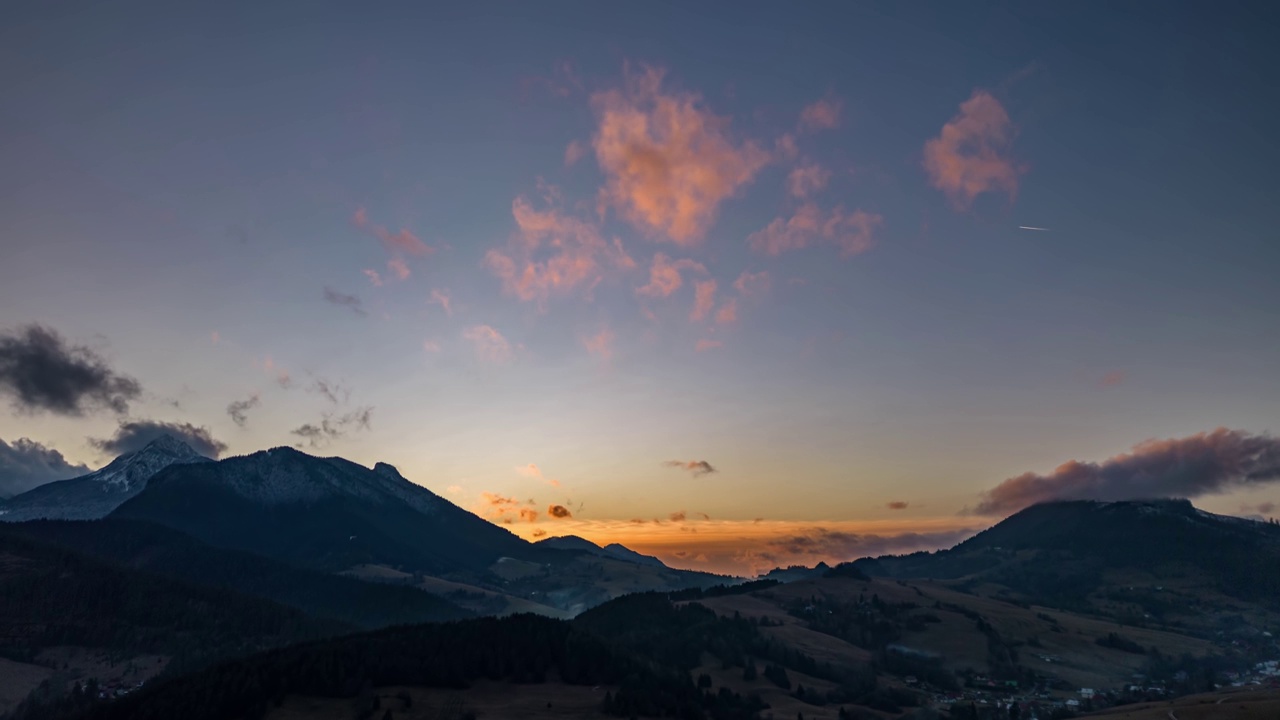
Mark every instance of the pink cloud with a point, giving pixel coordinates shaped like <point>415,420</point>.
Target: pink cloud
<point>553,254</point>
<point>573,152</point>
<point>402,241</point>
<point>431,346</point>
<point>728,312</point>
<point>807,180</point>
<point>664,275</point>
<point>215,337</point>
<point>705,344</point>
<point>441,298</point>
<point>398,268</point>
<point>361,218</point>
<point>704,298</point>
<point>600,344</point>
<point>669,163</point>
<point>852,232</point>
<point>373,276</point>
<point>971,156</point>
<point>821,115</point>
<point>490,346</point>
<point>751,284</point>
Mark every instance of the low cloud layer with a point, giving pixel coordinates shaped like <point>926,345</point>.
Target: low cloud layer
<point>39,371</point>
<point>133,435</point>
<point>1200,464</point>
<point>697,467</point>
<point>27,463</point>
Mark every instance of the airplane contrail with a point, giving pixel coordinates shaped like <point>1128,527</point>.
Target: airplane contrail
<point>1029,227</point>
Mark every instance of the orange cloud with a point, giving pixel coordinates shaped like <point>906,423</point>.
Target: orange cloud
<point>807,180</point>
<point>728,312</point>
<point>750,284</point>
<point>669,163</point>
<point>852,232</point>
<point>704,345</point>
<point>697,467</point>
<point>559,512</point>
<point>403,241</point>
<point>489,344</point>
<point>533,471</point>
<point>664,275</point>
<point>971,156</point>
<point>704,298</point>
<point>553,254</point>
<point>600,344</point>
<point>821,115</point>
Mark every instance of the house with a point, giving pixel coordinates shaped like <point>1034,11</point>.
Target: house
<point>1086,693</point>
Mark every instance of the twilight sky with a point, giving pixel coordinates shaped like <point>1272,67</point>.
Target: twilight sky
<point>753,270</point>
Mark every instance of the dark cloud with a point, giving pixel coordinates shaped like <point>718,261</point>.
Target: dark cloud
<point>678,516</point>
<point>897,505</point>
<point>704,516</point>
<point>539,533</point>
<point>333,426</point>
<point>1259,510</point>
<point>559,512</point>
<point>697,467</point>
<point>351,302</point>
<point>42,372</point>
<point>1199,464</point>
<point>134,435</point>
<point>335,393</point>
<point>239,409</point>
<point>27,463</point>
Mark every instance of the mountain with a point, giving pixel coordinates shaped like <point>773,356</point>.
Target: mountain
<point>93,496</point>
<point>327,514</point>
<point>51,596</point>
<point>1153,561</point>
<point>612,550</point>
<point>163,551</point>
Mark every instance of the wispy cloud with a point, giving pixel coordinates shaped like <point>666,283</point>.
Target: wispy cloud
<point>39,371</point>
<point>238,410</point>
<point>669,162</point>
<point>897,505</point>
<point>334,426</point>
<point>1115,377</point>
<point>489,344</point>
<point>573,152</point>
<point>398,268</point>
<point>1200,464</point>
<point>341,299</point>
<point>823,114</point>
<point>600,344</point>
<point>705,344</point>
<point>972,154</point>
<point>853,233</point>
<point>664,275</point>
<point>553,253</point>
<point>334,392</point>
<point>751,284</point>
<point>704,299</point>
<point>442,298</point>
<point>807,180</point>
<point>696,467</point>
<point>401,241</point>
<point>533,471</point>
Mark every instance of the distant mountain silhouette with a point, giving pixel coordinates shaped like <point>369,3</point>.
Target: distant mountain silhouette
<point>93,496</point>
<point>1060,552</point>
<point>612,550</point>
<point>161,550</point>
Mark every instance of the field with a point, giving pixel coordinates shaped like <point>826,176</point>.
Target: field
<point>490,701</point>
<point>1228,705</point>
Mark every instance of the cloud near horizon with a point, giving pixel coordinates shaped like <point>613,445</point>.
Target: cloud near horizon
<point>971,155</point>
<point>133,435</point>
<point>1200,464</point>
<point>27,464</point>
<point>333,426</point>
<point>41,372</point>
<point>668,161</point>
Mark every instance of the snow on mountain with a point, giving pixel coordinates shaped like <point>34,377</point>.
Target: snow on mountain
<point>93,496</point>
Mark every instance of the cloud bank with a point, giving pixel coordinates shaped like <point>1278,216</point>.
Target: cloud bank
<point>133,435</point>
<point>1200,464</point>
<point>27,463</point>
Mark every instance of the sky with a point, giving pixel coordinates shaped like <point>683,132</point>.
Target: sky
<point>738,284</point>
